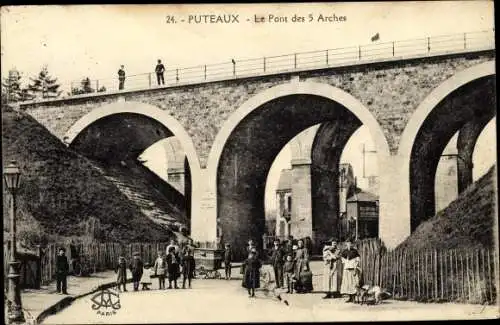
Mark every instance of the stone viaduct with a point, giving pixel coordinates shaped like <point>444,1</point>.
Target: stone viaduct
<point>232,130</point>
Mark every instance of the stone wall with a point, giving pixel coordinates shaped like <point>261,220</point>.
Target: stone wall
<point>390,90</point>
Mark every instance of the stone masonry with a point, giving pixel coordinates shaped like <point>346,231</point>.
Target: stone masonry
<point>390,90</point>
<point>230,188</point>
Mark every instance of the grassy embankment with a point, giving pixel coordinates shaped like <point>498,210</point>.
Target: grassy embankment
<point>61,194</point>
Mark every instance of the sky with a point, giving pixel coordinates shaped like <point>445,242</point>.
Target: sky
<point>352,154</point>
<point>92,41</point>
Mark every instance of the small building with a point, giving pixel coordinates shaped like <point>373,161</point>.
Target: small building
<point>362,215</point>
<point>347,186</point>
<point>284,206</point>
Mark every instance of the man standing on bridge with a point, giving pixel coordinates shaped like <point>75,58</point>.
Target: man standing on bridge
<point>121,78</point>
<point>160,69</point>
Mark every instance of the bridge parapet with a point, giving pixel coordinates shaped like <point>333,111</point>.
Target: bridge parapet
<point>295,62</point>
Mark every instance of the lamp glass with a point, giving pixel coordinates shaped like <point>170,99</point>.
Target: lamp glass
<point>12,175</point>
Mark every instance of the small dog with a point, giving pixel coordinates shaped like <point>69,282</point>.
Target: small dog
<point>360,295</point>
<point>378,294</point>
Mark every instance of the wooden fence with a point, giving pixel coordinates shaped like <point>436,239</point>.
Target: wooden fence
<point>97,256</point>
<point>28,269</point>
<point>457,275</point>
<point>461,275</point>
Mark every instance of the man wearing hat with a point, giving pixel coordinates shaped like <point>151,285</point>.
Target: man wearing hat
<point>136,267</point>
<point>228,259</point>
<point>277,260</point>
<point>62,269</point>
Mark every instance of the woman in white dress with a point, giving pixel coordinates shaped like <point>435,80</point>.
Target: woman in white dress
<point>352,271</point>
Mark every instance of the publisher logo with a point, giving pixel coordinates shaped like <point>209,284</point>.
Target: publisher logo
<point>106,302</point>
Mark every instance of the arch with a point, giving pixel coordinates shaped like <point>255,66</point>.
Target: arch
<point>295,88</point>
<point>491,126</point>
<point>419,148</point>
<point>143,109</point>
<point>175,152</point>
<point>433,99</point>
<point>241,155</point>
<point>301,146</point>
<point>159,115</point>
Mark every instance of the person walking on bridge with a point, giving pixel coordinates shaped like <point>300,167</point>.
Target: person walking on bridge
<point>121,78</point>
<point>160,69</point>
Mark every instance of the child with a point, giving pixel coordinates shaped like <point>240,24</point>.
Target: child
<point>173,267</point>
<point>288,270</point>
<point>228,258</point>
<point>160,270</point>
<point>188,266</point>
<point>121,273</point>
<point>251,277</point>
<point>304,282</point>
<point>137,268</point>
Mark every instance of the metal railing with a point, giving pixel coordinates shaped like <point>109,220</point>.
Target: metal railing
<point>233,69</point>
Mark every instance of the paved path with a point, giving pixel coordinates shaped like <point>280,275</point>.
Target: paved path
<point>225,301</point>
<point>37,301</point>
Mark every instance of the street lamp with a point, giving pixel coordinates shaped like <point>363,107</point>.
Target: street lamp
<point>12,175</point>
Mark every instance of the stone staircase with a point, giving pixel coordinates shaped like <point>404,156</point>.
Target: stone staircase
<point>152,203</point>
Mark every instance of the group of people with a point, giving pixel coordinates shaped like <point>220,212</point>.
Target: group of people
<point>341,270</point>
<point>159,70</point>
<point>290,263</point>
<point>171,264</point>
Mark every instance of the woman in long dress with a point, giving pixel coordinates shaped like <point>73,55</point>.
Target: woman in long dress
<point>251,273</point>
<point>301,260</point>
<point>331,268</point>
<point>352,271</point>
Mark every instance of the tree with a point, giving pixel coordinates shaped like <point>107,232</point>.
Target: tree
<point>12,90</point>
<point>86,87</point>
<point>45,85</point>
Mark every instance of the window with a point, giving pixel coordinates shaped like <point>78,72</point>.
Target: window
<point>174,178</point>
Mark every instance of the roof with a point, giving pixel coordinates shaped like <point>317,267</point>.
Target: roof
<point>285,182</point>
<point>363,197</point>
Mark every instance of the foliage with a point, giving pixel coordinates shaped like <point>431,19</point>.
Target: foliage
<point>44,85</point>
<point>12,91</point>
<point>86,88</point>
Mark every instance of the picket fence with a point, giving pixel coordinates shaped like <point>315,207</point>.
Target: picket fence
<point>454,275</point>
<point>98,256</point>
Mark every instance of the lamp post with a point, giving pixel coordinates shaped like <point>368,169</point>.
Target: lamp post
<point>12,175</point>
<point>344,192</point>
